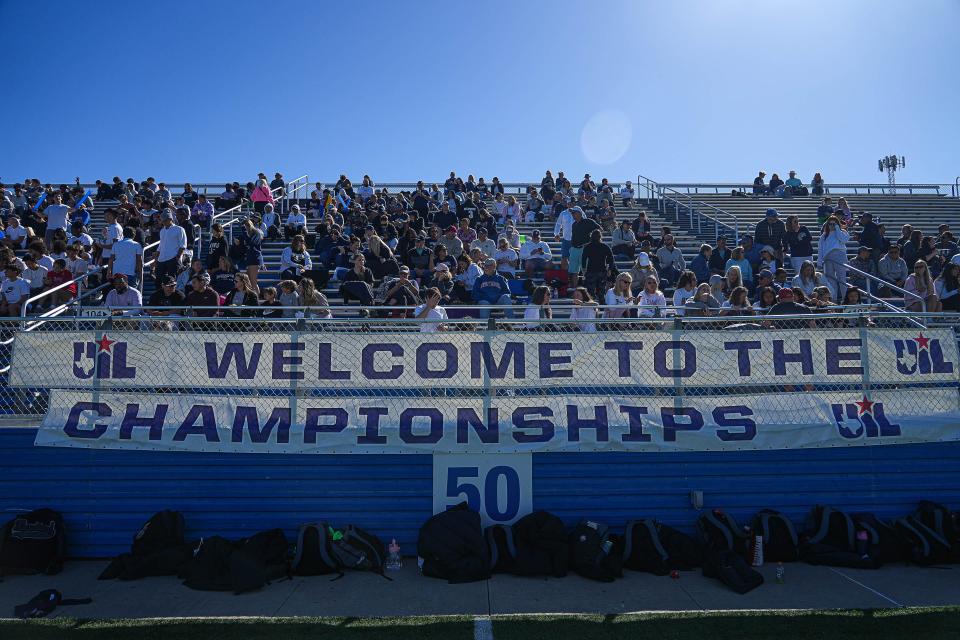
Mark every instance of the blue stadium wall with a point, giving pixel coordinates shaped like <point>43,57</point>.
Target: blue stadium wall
<point>105,495</point>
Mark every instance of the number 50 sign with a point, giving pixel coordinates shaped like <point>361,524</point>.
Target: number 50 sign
<point>499,486</point>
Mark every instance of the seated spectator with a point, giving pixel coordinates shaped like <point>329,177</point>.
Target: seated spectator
<point>16,235</point>
<point>466,234</point>
<point>702,304</point>
<point>202,212</point>
<point>892,269</point>
<point>759,187</point>
<point>947,287</point>
<point>507,259</point>
<point>584,309</point>
<point>641,269</point>
<point>444,283</point>
<point>430,312</point>
<point>440,255</point>
<point>671,261</point>
<point>863,262</point>
<point>271,222</point>
<point>651,301</point>
<point>732,279</point>
<point>717,285</point>
<point>35,275</point>
<point>57,276</point>
<point>16,290</point>
<point>821,300</point>
<point>793,186</point>
<point>737,304</point>
<point>700,265</point>
<point>78,260</point>
<point>535,254</point>
<point>738,260</point>
<point>465,277</point>
<point>123,295</point>
<point>817,185</point>
<point>491,289</point>
<point>512,235</point>
<point>809,279</point>
<point>619,297</point>
<point>624,240</point>
<point>241,302</point>
<point>289,299</point>
<point>627,194</point>
<point>768,259</point>
<point>774,187</point>
<point>222,277</point>
<point>539,311</point>
<point>403,291</point>
<point>228,199</point>
<point>641,227</point>
<point>484,243</point>
<point>270,307</point>
<point>798,241</point>
<point>606,216</point>
<point>357,284</point>
<point>294,260</point>
<point>533,208</point>
<point>380,258</point>
<point>920,283</point>
<point>183,279</point>
<point>296,222</point>
<point>451,242</point>
<point>766,298</point>
<point>945,243</point>
<point>202,300</point>
<point>928,253</point>
<point>719,256</point>
<point>843,211</point>
<point>686,287</point>
<point>168,297</point>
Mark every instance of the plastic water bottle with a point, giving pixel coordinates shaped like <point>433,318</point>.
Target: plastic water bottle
<point>779,573</point>
<point>394,561</point>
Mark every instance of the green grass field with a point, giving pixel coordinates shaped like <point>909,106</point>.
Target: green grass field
<point>895,624</point>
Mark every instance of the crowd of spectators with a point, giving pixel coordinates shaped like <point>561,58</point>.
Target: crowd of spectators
<point>457,244</point>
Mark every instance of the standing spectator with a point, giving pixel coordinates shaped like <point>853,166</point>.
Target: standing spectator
<point>277,185</point>
<point>920,284</point>
<point>832,255</point>
<point>892,269</point>
<point>700,265</point>
<point>253,241</point>
<point>563,233</point>
<point>770,232</point>
<point>127,258</point>
<point>581,232</point>
<point>123,295</point>
<point>173,243</point>
<point>491,289</point>
<point>947,287</point>
<point>671,261</point>
<point>431,312</point>
<point>261,196</point>
<point>56,215</point>
<point>870,235</point>
<point>598,264</point>
<point>798,241</point>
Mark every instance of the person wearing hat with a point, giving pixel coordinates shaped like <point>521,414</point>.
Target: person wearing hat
<point>452,243</point>
<point>420,259</point>
<point>759,187</point>
<point>794,186</point>
<point>404,291</point>
<point>296,222</point>
<point>167,295</point>
<point>765,279</point>
<point>483,242</point>
<point>123,295</point>
<point>768,258</point>
<point>491,288</point>
<point>535,254</point>
<point>770,232</point>
<point>127,257</point>
<point>16,290</point>
<point>642,269</point>
<point>271,221</point>
<point>201,294</point>
<point>173,244</point>
<point>787,305</point>
<point>627,194</point>
<point>863,262</point>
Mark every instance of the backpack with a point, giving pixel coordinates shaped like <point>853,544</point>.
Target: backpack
<point>830,539</point>
<point>245,565</point>
<point>885,542</point>
<point>937,517</point>
<point>33,542</point>
<point>542,548</point>
<point>780,542</point>
<point>924,545</point>
<point>314,553</point>
<point>451,546</point>
<point>594,554</point>
<point>158,549</point>
<point>503,551</point>
<point>732,570</point>
<point>359,550</point>
<point>657,548</point>
<point>720,532</point>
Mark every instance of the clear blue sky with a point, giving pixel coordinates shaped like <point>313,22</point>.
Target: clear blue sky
<point>678,91</point>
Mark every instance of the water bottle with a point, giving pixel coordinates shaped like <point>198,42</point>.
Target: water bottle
<point>394,561</point>
<point>862,543</point>
<point>779,573</point>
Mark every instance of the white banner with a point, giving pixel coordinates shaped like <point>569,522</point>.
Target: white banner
<point>501,425</point>
<point>344,360</point>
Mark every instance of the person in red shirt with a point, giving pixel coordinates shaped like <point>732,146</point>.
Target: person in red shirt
<point>57,276</point>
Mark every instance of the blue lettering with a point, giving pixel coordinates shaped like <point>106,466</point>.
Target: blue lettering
<point>623,349</point>
<point>423,360</point>
<point>548,361</point>
<point>782,358</point>
<point>246,370</point>
<point>726,417</point>
<point>742,347</point>
<point>72,427</point>
<point>207,427</point>
<point>669,417</point>
<point>468,418</point>
<point>635,434</point>
<point>368,359</point>
<point>372,434</point>
<point>406,426</point>
<point>313,426</point>
<point>520,421</point>
<point>325,364</point>
<point>835,357</point>
<point>132,419</point>
<point>480,352</point>
<point>279,418</point>
<point>599,423</point>
<point>688,351</point>
<point>281,360</point>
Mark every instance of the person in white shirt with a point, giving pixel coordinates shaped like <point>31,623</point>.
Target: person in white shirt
<point>536,254</point>
<point>127,258</point>
<point>17,234</point>
<point>627,194</point>
<point>485,244</point>
<point>832,255</point>
<point>512,236</point>
<point>296,222</point>
<point>57,215</point>
<point>539,309</point>
<point>365,190</point>
<point>651,300</point>
<point>506,259</point>
<point>40,254</point>
<point>686,288</point>
<point>271,221</point>
<point>34,274</point>
<point>78,234</point>
<point>173,243</point>
<point>467,272</point>
<point>76,265</point>
<point>16,291</point>
<point>563,233</point>
<point>431,311</point>
<point>294,260</point>
<point>584,308</point>
<point>619,296</point>
<point>111,233</point>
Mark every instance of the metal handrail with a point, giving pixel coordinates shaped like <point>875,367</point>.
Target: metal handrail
<point>840,186</point>
<point>43,294</point>
<point>291,189</point>
<point>870,277</point>
<point>693,207</point>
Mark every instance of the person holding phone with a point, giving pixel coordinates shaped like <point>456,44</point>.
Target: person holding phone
<point>431,311</point>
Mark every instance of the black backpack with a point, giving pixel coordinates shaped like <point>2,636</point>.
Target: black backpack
<point>830,539</point>
<point>657,548</point>
<point>732,570</point>
<point>451,546</point>
<point>542,547</point>
<point>33,542</point>
<point>937,517</point>
<point>314,555</point>
<point>720,532</point>
<point>158,549</point>
<point>884,541</point>
<point>593,552</point>
<point>503,551</point>
<point>780,541</point>
<point>924,545</point>
<point>245,565</point>
<point>164,529</point>
<point>359,550</point>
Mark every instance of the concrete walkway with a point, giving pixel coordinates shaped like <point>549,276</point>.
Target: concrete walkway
<point>368,595</point>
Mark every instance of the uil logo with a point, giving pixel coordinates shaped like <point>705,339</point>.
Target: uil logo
<point>863,419</point>
<point>921,355</point>
<point>101,359</point>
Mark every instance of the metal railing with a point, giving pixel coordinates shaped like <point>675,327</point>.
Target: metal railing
<point>697,210</point>
<point>838,188</point>
<point>869,278</point>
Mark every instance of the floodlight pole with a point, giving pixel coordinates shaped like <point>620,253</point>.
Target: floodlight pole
<point>890,164</point>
